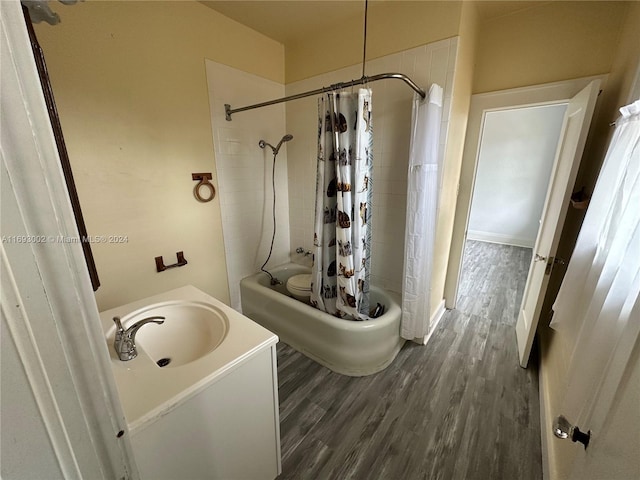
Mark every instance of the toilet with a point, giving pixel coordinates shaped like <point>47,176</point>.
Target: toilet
<point>300,287</point>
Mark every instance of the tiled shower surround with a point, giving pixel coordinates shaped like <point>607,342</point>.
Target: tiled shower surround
<point>391,113</point>
<point>244,170</point>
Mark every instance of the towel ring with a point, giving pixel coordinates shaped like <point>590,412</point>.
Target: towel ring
<point>203,181</point>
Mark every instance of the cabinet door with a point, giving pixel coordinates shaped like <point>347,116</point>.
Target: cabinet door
<point>229,430</point>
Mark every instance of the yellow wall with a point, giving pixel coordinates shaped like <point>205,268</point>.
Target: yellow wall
<point>547,43</point>
<point>392,27</point>
<point>129,80</point>
<point>461,100</point>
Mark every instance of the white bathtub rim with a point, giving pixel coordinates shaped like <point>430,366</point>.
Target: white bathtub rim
<point>392,302</point>
<point>321,346</point>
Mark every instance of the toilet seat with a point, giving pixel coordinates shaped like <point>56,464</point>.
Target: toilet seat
<point>300,285</point>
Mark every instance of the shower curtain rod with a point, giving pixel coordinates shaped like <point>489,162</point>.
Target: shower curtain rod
<point>337,86</point>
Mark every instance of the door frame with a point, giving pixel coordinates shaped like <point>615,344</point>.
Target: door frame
<point>48,309</point>
<point>535,95</point>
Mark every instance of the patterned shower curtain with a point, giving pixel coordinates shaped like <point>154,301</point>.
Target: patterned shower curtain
<point>342,236</point>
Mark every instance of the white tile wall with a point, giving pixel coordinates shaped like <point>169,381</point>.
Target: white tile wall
<point>244,172</point>
<point>391,104</point>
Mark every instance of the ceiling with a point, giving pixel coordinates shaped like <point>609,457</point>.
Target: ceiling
<point>488,10</point>
<point>289,21</point>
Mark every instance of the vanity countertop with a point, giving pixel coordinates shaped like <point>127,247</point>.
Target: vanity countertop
<point>147,391</point>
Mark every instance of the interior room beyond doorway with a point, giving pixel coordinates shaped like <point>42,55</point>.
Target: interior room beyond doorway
<point>516,156</point>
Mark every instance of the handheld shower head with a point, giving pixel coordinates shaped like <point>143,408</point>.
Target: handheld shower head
<point>286,138</point>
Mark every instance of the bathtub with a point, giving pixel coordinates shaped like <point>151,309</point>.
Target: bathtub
<point>354,348</point>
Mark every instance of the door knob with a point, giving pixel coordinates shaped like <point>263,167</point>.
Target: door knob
<point>539,258</point>
<point>562,428</point>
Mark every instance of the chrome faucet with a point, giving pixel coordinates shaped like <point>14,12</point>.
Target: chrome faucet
<point>125,340</point>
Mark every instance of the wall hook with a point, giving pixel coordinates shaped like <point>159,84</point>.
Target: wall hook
<point>161,267</point>
<point>203,181</point>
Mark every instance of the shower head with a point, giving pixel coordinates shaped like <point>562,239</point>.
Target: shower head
<point>286,138</point>
<point>276,149</point>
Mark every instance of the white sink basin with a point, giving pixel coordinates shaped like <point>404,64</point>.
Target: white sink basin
<point>190,331</point>
<point>204,338</point>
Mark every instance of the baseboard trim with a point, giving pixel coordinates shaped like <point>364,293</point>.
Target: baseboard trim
<point>435,321</point>
<point>545,416</point>
<point>499,238</point>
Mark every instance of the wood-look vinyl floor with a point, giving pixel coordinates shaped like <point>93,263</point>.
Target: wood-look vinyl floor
<point>459,408</point>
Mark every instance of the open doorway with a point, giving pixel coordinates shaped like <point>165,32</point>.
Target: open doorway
<point>580,97</point>
<point>516,154</point>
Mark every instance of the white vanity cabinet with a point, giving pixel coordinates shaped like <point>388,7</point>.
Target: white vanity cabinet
<point>227,431</point>
<point>213,417</point>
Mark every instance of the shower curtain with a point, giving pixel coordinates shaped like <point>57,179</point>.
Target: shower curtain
<point>422,208</point>
<point>342,234</point>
